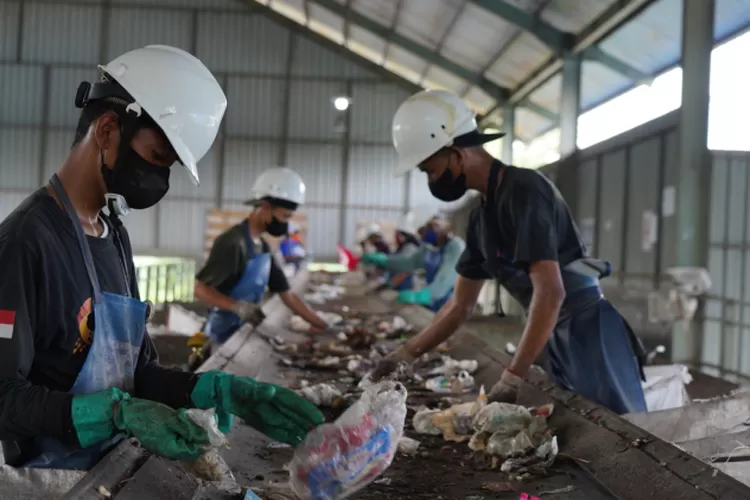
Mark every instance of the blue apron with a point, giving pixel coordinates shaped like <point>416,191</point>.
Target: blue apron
<point>251,287</point>
<point>432,261</point>
<point>120,325</point>
<point>408,283</point>
<point>592,350</point>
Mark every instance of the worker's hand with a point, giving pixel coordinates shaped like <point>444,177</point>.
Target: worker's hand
<point>399,358</point>
<point>506,390</point>
<point>249,312</point>
<point>277,412</point>
<point>379,259</point>
<point>422,297</point>
<point>161,430</point>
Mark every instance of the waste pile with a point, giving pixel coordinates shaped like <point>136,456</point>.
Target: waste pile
<point>442,408</point>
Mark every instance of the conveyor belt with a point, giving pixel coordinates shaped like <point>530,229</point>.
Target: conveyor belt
<point>602,455</point>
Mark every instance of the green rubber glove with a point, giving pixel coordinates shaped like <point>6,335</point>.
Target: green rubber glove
<point>379,259</point>
<point>277,412</point>
<point>422,297</point>
<point>160,429</point>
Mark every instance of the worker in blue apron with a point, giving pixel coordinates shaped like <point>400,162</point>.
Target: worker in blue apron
<point>407,242</point>
<point>438,255</point>
<point>292,249</point>
<point>240,266</point>
<point>524,236</point>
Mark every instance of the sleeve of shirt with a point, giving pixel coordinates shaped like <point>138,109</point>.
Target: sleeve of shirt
<point>277,282</point>
<point>225,264</point>
<point>471,262</point>
<point>26,410</point>
<point>536,231</point>
<point>446,276</point>
<point>405,262</point>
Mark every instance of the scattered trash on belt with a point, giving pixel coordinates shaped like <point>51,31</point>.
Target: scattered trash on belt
<point>454,423</point>
<point>455,384</point>
<point>324,292</point>
<point>210,466</point>
<point>451,366</point>
<point>321,394</point>
<point>335,460</point>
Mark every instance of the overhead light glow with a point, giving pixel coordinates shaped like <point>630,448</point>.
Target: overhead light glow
<point>341,103</point>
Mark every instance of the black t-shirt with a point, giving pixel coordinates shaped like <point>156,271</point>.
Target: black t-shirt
<point>228,259</point>
<point>45,285</point>
<point>525,221</point>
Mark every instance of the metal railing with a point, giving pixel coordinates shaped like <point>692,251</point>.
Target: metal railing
<point>167,282</point>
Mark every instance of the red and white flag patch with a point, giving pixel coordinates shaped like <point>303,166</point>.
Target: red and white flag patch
<point>7,320</point>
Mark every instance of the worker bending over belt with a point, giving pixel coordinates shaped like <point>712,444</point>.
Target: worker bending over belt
<point>240,265</point>
<point>438,255</point>
<point>524,236</point>
<point>407,243</point>
<point>372,237</point>
<point>78,371</point>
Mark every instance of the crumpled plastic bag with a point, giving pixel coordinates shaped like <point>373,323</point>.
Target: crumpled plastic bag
<point>337,459</point>
<point>454,423</point>
<point>454,384</point>
<point>210,466</point>
<point>504,418</point>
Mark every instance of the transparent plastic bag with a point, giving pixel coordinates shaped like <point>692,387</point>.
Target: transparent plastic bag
<point>210,466</point>
<point>340,458</point>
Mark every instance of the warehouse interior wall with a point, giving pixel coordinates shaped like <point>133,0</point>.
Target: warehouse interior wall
<point>280,86</point>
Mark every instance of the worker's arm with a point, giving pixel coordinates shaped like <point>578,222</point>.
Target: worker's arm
<point>224,267</point>
<point>400,263</point>
<point>457,310</point>
<point>26,410</point>
<point>301,309</point>
<point>536,252</point>
<point>447,274</point>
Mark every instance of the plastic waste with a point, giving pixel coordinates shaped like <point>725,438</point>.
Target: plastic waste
<point>508,430</point>
<point>321,394</point>
<point>451,366</point>
<point>664,387</point>
<point>300,325</point>
<point>504,418</point>
<point>455,384</point>
<point>210,466</point>
<point>408,446</point>
<point>454,423</point>
<point>543,457</point>
<point>335,460</point>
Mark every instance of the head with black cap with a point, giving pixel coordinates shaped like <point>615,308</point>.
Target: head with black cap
<point>436,132</point>
<point>276,195</point>
<point>151,108</point>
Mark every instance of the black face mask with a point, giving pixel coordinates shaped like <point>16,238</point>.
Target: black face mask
<point>141,183</point>
<point>446,188</point>
<point>277,228</point>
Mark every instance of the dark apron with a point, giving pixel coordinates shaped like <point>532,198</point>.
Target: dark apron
<point>120,324</point>
<point>433,259</point>
<point>592,350</point>
<point>251,287</point>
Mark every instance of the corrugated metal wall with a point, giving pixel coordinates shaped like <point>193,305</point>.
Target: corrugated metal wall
<point>279,85</point>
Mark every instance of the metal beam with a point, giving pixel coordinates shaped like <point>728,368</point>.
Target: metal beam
<point>394,23</point>
<point>329,44</point>
<point>347,25</point>
<point>443,38</point>
<point>596,53</point>
<point>616,15</point>
<point>558,41</point>
<point>306,6</point>
<point>495,91</point>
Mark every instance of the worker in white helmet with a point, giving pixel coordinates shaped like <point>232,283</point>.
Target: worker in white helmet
<point>438,255</point>
<point>371,236</point>
<point>523,235</point>
<point>240,266</point>
<point>407,243</point>
<point>292,247</point>
<point>78,371</point>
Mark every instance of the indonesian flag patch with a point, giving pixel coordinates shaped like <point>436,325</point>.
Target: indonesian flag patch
<point>7,319</point>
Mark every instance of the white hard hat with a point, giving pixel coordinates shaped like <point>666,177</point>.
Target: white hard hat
<point>178,92</point>
<point>372,228</point>
<point>429,121</point>
<point>280,183</point>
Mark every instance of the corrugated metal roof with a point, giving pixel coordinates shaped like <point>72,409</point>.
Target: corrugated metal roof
<point>485,50</point>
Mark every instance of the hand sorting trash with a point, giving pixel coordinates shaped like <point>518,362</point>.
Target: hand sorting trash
<point>336,460</point>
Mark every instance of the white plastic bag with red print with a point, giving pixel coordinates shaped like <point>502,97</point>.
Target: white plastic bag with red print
<point>336,460</point>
